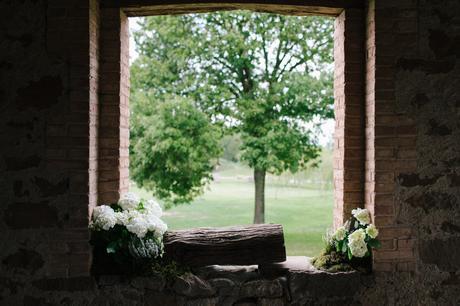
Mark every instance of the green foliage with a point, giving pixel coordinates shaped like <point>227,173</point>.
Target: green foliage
<point>175,154</point>
<point>118,244</point>
<point>262,76</point>
<point>168,269</point>
<point>144,248</point>
<point>281,148</point>
<point>374,243</point>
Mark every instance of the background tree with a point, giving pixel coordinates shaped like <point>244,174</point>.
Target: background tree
<point>263,76</point>
<point>177,151</point>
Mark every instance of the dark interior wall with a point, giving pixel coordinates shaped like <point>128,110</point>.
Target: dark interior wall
<point>46,154</point>
<point>417,91</point>
<point>428,87</point>
<point>47,87</point>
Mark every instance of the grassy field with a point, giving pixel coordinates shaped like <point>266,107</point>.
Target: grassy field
<point>305,213</point>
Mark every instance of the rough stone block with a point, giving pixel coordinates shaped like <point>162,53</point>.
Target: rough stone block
<point>192,286</point>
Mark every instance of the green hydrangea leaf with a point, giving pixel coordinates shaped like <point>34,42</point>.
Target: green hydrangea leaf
<point>339,246</point>
<point>350,256</point>
<point>374,243</point>
<point>344,247</point>
<point>112,247</point>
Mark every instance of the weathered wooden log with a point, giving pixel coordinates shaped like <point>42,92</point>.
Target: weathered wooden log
<point>238,245</point>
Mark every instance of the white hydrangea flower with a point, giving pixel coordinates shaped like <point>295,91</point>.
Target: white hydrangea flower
<point>356,243</point>
<point>340,233</point>
<point>362,215</point>
<point>358,235</point>
<point>122,217</point>
<point>152,207</point>
<point>140,222</point>
<point>129,201</point>
<point>372,231</point>
<point>104,217</point>
<point>156,225</point>
<point>137,224</point>
<point>358,249</point>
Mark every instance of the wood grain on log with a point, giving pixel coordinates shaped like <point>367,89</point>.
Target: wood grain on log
<point>238,245</point>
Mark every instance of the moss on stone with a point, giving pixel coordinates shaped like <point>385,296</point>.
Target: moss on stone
<point>167,269</point>
<point>331,261</point>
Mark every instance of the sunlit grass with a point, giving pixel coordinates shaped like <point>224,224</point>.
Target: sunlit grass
<point>305,214</point>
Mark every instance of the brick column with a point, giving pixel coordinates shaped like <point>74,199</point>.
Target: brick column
<point>94,27</point>
<point>390,133</point>
<point>349,105</point>
<point>114,106</point>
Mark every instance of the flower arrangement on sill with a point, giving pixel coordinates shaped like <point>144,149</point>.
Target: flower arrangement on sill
<point>130,232</point>
<point>350,246</point>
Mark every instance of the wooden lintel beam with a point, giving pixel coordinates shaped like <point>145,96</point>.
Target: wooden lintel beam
<point>287,7</point>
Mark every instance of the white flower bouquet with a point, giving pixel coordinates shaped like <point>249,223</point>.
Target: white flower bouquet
<point>350,246</point>
<point>357,236</point>
<point>130,229</point>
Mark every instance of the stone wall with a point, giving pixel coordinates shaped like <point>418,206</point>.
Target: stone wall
<point>413,163</point>
<point>209,286</point>
<point>50,130</point>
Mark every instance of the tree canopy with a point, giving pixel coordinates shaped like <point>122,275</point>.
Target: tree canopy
<point>263,76</point>
<point>177,153</point>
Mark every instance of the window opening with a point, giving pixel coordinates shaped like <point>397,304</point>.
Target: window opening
<point>224,102</point>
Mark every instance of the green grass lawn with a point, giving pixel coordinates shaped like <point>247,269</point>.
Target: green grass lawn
<point>305,214</point>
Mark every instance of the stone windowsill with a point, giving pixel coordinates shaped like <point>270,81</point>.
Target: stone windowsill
<point>292,282</point>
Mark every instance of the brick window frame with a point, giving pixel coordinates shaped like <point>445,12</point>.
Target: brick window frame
<point>351,90</point>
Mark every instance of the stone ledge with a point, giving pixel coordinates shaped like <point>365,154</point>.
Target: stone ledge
<point>293,264</point>
<point>293,282</point>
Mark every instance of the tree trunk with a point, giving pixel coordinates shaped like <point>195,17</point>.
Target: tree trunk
<point>235,245</point>
<point>259,208</point>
